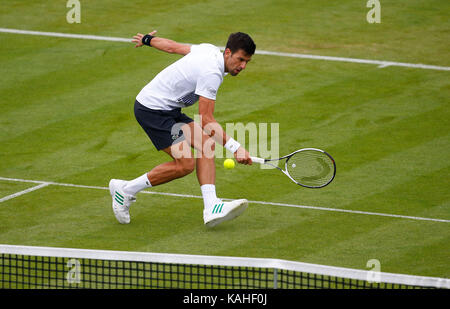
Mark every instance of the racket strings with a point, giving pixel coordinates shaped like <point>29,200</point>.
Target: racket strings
<point>311,168</point>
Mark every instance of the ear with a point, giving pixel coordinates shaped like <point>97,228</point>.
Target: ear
<point>227,52</point>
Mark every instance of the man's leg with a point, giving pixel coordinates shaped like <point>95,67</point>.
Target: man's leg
<point>205,165</point>
<point>205,146</point>
<point>215,210</point>
<point>160,127</point>
<point>123,192</point>
<point>182,165</point>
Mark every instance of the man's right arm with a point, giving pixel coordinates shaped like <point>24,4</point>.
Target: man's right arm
<point>165,45</point>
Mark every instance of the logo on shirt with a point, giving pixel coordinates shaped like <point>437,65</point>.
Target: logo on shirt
<point>188,99</point>
<point>212,91</point>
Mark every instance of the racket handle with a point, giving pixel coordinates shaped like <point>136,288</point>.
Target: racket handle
<point>257,160</point>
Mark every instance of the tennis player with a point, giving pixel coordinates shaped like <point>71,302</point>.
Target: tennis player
<point>197,76</point>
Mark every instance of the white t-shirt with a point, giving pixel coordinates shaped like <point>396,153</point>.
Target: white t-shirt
<point>199,73</point>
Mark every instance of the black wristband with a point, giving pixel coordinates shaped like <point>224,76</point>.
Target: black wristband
<point>146,39</point>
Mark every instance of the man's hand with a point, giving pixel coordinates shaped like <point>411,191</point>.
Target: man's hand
<point>138,38</point>
<point>242,156</point>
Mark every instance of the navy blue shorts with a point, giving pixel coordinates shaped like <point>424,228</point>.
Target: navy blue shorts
<point>162,127</point>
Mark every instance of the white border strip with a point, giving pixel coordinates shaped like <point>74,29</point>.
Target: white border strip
<point>252,202</point>
<point>66,35</point>
<point>6,198</point>
<point>226,261</point>
<point>380,63</point>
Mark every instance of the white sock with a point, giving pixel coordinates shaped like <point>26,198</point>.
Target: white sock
<point>209,195</point>
<point>136,185</point>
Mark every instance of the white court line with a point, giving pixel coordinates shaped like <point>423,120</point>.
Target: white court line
<point>251,202</point>
<point>6,198</point>
<point>380,63</point>
<point>66,35</point>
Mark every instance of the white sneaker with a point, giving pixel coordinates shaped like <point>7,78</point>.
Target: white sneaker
<point>224,211</point>
<point>120,201</point>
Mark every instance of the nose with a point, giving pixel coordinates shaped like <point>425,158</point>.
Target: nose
<point>243,65</point>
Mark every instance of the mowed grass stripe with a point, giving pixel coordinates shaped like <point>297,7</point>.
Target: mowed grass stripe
<point>394,168</point>
<point>335,121</point>
<point>372,162</point>
<point>155,218</point>
<point>365,239</point>
<point>367,184</point>
<point>358,212</point>
<point>307,236</point>
<point>65,155</point>
<point>74,217</point>
<point>255,222</point>
<point>54,60</point>
<point>394,136</point>
<point>90,65</point>
<point>397,245</point>
<point>411,196</point>
<point>101,93</point>
<point>78,85</point>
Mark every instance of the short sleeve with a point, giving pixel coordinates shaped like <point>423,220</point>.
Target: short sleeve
<point>208,84</point>
<point>194,48</point>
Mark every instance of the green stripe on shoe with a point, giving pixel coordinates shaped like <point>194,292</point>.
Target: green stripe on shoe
<point>118,198</point>
<point>119,195</point>
<point>217,208</point>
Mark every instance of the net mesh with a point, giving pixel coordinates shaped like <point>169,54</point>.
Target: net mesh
<point>47,272</point>
<point>311,168</point>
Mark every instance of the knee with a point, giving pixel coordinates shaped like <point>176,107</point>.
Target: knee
<point>185,166</point>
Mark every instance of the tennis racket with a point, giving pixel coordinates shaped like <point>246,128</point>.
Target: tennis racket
<point>308,167</point>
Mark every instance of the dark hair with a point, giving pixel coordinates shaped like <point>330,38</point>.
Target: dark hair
<point>240,40</point>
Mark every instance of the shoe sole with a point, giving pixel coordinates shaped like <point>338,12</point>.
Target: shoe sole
<point>235,212</point>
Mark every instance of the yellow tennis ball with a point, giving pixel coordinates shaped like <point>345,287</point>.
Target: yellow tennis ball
<point>228,163</point>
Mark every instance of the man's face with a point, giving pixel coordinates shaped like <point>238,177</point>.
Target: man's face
<point>236,62</point>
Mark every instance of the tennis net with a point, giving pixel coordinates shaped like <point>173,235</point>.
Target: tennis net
<point>23,267</point>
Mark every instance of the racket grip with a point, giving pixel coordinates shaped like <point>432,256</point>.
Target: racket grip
<point>257,160</point>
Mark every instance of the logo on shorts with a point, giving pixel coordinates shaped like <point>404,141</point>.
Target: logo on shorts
<point>177,135</point>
